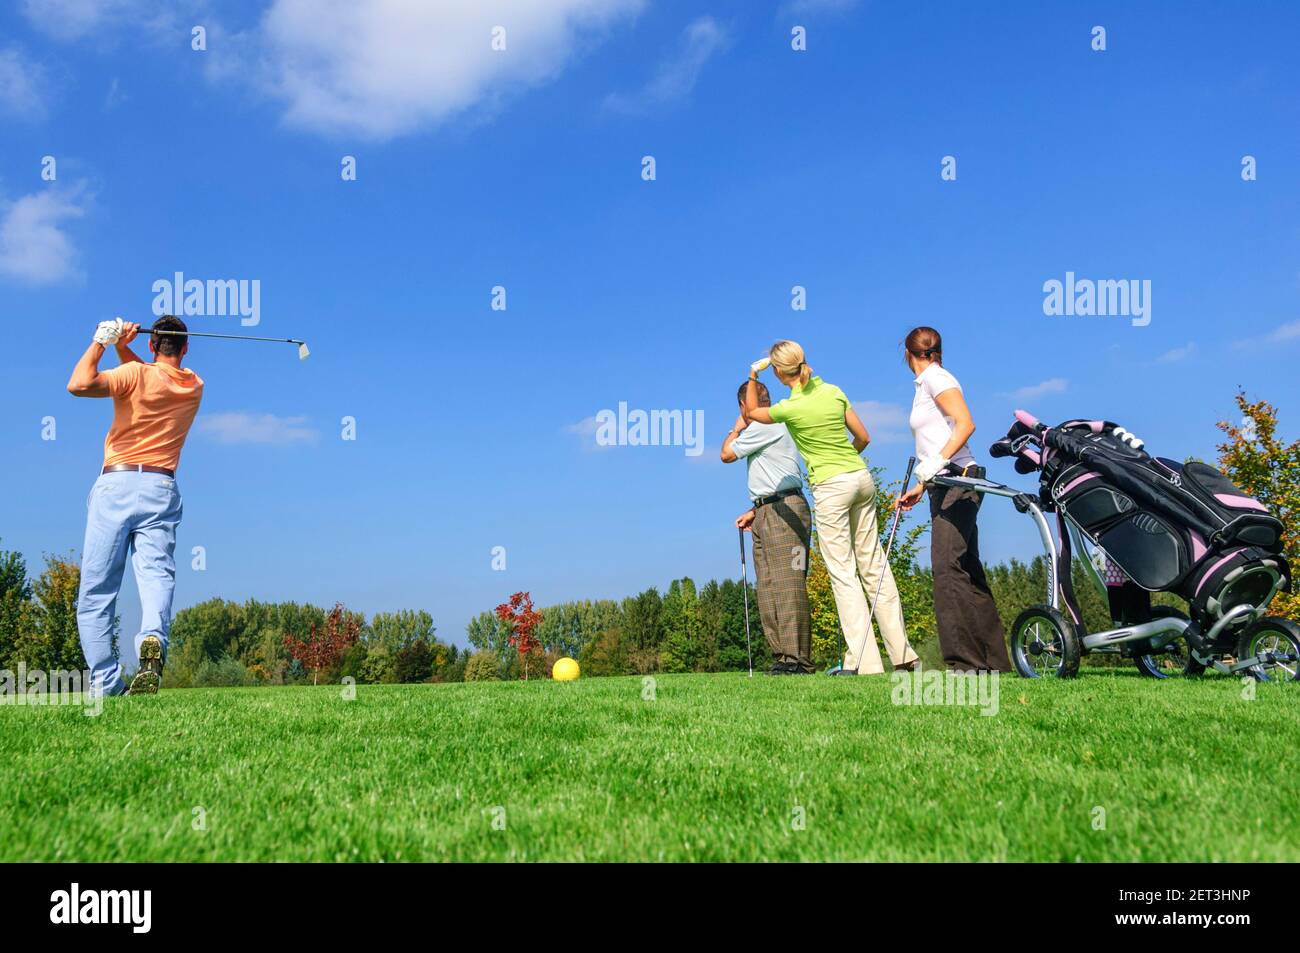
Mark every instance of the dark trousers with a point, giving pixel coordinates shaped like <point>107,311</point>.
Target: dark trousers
<point>970,631</point>
<point>782,533</point>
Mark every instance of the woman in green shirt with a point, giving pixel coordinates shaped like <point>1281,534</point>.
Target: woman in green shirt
<point>820,421</point>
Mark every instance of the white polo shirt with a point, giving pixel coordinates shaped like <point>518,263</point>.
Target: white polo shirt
<point>931,428</point>
<point>771,457</point>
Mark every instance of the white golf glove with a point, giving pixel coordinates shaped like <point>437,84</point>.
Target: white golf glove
<point>759,366</point>
<point>108,332</point>
<point>927,468</point>
<point>1129,438</point>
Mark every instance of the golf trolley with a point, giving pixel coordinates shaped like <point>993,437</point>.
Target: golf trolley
<point>1145,524</point>
<point>1044,639</point>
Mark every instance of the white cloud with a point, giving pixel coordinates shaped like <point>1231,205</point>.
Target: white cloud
<point>1287,332</point>
<point>376,69</point>
<point>585,430</point>
<point>676,77</point>
<point>34,248</point>
<point>23,85</point>
<point>234,428</point>
<point>1053,385</point>
<point>886,423</point>
<point>1283,334</point>
<point>372,69</point>
<point>77,19</point>
<point>1177,354</point>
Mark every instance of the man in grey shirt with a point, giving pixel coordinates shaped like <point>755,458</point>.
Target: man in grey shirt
<point>781,524</point>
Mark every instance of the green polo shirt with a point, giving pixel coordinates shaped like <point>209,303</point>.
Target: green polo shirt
<point>814,415</point>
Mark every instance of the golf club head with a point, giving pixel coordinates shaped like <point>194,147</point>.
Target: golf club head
<point>303,353</point>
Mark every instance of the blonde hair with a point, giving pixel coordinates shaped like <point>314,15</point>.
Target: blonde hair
<point>788,360</point>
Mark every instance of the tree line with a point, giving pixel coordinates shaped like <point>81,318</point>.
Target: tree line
<point>686,628</point>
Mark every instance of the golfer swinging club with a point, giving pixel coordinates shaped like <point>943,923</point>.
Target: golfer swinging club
<point>134,505</point>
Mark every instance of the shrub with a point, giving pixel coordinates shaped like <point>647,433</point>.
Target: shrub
<point>482,667</point>
<point>226,672</point>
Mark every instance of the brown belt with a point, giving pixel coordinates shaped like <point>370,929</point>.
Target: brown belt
<point>138,468</point>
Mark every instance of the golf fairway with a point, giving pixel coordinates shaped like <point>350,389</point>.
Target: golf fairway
<point>689,767</point>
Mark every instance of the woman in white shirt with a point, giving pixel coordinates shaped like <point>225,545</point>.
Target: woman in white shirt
<point>970,631</point>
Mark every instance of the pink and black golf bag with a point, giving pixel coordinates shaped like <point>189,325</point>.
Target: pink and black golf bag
<point>1182,528</point>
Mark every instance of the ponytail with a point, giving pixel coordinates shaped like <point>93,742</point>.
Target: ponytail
<point>925,344</point>
<point>788,359</point>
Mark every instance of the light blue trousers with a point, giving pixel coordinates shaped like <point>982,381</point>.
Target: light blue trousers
<point>134,514</point>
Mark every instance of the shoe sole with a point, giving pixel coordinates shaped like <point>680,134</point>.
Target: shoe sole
<point>148,679</point>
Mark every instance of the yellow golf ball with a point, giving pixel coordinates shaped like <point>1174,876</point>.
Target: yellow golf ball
<point>566,670</point>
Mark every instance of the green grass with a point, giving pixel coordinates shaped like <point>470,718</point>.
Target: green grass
<point>711,769</point>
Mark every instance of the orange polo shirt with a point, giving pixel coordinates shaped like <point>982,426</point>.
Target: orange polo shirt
<point>153,408</point>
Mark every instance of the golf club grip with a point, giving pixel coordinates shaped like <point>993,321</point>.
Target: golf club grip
<point>898,510</point>
<point>907,477</point>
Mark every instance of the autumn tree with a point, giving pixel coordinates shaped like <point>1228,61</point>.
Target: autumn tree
<point>523,621</point>
<point>44,628</point>
<point>325,646</point>
<point>1264,467</point>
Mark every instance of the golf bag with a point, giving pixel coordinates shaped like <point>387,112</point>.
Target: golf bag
<point>1162,526</point>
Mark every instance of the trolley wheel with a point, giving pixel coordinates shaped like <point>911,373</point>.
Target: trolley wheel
<point>1044,642</point>
<point>1279,640</point>
<point>1175,659</point>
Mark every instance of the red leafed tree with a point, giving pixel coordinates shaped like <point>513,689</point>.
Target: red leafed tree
<point>523,620</point>
<point>325,646</point>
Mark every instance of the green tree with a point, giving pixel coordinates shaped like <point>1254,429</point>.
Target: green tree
<point>15,598</point>
<point>414,663</point>
<point>642,630</point>
<point>733,654</point>
<point>354,662</point>
<point>201,633</point>
<point>679,622</point>
<point>387,636</point>
<point>399,630</point>
<point>485,631</point>
<point>567,627</point>
<point>606,654</point>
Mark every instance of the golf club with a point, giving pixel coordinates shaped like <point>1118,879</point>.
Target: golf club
<point>744,592</point>
<point>898,513</point>
<point>303,353</point>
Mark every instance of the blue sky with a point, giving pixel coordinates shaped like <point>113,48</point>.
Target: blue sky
<point>522,168</point>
